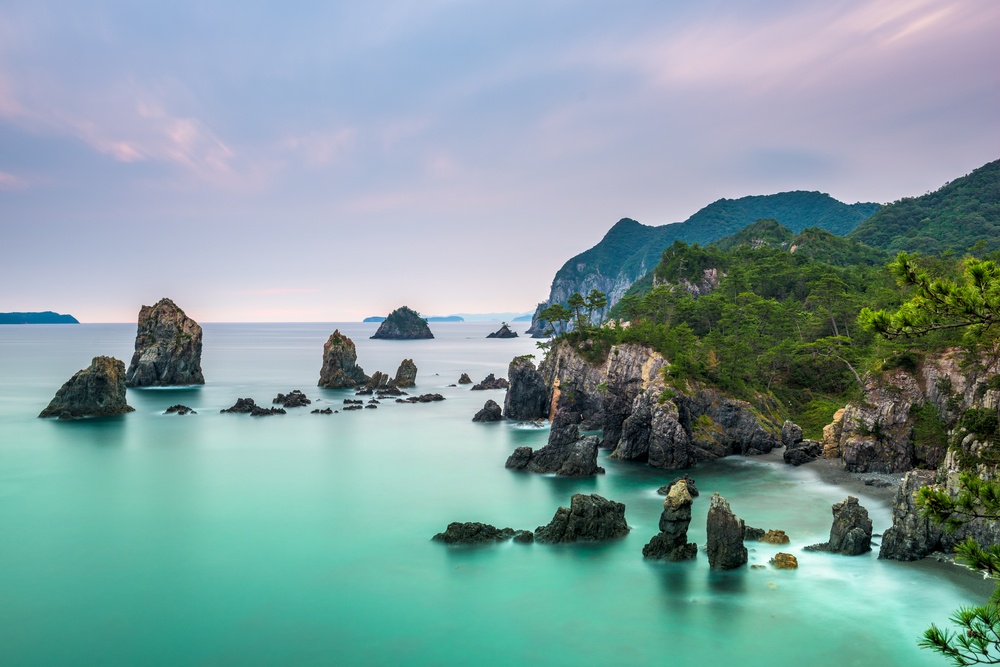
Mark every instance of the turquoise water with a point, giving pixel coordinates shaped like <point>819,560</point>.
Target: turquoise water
<point>217,539</point>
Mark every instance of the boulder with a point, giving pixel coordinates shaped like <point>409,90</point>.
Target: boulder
<point>671,543</point>
<point>179,410</point>
<point>503,332</point>
<point>527,397</point>
<point>473,532</point>
<point>851,533</point>
<point>406,375</point>
<point>465,379</point>
<point>588,518</point>
<point>491,382</point>
<point>783,561</point>
<point>340,369</point>
<point>95,391</point>
<point>490,412</point>
<point>724,536</point>
<point>791,434</point>
<point>167,348</point>
<point>403,324</point>
<point>774,537</point>
<point>804,451</point>
<point>293,399</point>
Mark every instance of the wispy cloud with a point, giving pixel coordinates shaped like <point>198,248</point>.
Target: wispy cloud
<point>9,181</point>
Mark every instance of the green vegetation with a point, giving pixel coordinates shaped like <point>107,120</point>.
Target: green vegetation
<point>960,216</point>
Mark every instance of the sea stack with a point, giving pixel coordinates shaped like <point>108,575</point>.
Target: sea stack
<point>340,369</point>
<point>403,324</point>
<point>671,543</point>
<point>851,532</point>
<point>725,536</point>
<point>406,375</point>
<point>97,391</point>
<point>167,348</point>
<point>527,396</point>
<point>589,518</point>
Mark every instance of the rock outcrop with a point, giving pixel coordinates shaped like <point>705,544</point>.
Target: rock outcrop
<point>406,375</point>
<point>465,379</point>
<point>724,536</point>
<point>851,533</point>
<point>95,391</point>
<point>491,382</point>
<point>567,454</point>
<point>340,369</point>
<point>490,413</point>
<point>247,406</point>
<point>167,348</point>
<point>588,518</point>
<point>783,561</point>
<point>503,332</point>
<point>403,324</point>
<point>178,410</point>
<point>671,543</point>
<point>802,452</point>
<point>293,399</point>
<point>473,532</point>
<point>527,396</point>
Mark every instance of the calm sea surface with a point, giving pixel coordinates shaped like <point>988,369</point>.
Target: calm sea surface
<point>219,539</point>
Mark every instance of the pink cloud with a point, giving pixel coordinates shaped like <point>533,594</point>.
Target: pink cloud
<point>9,181</point>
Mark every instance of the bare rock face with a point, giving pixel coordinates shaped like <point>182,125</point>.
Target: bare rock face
<point>851,533</point>
<point>527,396</point>
<point>567,454</point>
<point>671,543</point>
<point>725,536</point>
<point>588,518</point>
<point>340,369</point>
<point>490,413</point>
<point>97,391</point>
<point>167,348</point>
<point>406,375</point>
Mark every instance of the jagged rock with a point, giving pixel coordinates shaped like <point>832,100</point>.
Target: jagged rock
<point>293,399</point>
<point>371,407</point>
<point>248,406</point>
<point>691,487</point>
<point>340,369</point>
<point>567,454</point>
<point>473,532</point>
<point>167,348</point>
<point>389,391</point>
<point>490,413</point>
<point>851,533</point>
<point>353,401</point>
<point>179,410</point>
<point>95,391</point>
<point>783,561</point>
<point>353,407</point>
<point>751,534</point>
<point>324,411</point>
<point>491,382</point>
<point>588,518</point>
<point>519,459</point>
<point>774,537</point>
<point>671,543</point>
<point>406,375</point>
<point>724,536</point>
<point>805,451</point>
<point>791,434</point>
<point>503,332</point>
<point>527,398</point>
<point>403,324</point>
<point>465,379</point>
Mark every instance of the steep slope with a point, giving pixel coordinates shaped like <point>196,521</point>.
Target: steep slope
<point>954,217</point>
<point>630,250</point>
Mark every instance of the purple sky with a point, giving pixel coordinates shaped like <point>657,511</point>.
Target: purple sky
<point>331,160</point>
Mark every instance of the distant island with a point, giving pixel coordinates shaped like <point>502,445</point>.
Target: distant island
<point>47,317</point>
<point>469,317</point>
<point>449,318</point>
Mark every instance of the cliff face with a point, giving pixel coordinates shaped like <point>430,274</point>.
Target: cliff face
<point>96,391</point>
<point>167,348</point>
<point>625,397</point>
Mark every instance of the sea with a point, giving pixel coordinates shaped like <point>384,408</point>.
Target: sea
<point>305,539</point>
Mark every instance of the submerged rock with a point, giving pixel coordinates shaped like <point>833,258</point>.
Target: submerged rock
<point>774,537</point>
<point>293,399</point>
<point>527,397</point>
<point>406,375</point>
<point>167,348</point>
<point>473,532</point>
<point>851,533</point>
<point>403,324</point>
<point>503,332</point>
<point>423,398</point>
<point>671,543</point>
<point>95,391</point>
<point>179,410</point>
<point>490,412</point>
<point>340,369</point>
<point>491,382</point>
<point>249,406</point>
<point>725,536</point>
<point>588,518</point>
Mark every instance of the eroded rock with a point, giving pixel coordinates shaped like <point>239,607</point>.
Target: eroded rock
<point>340,369</point>
<point>490,413</point>
<point>95,391</point>
<point>588,518</point>
<point>724,536</point>
<point>167,348</point>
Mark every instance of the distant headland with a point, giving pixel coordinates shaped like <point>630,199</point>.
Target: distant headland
<point>47,317</point>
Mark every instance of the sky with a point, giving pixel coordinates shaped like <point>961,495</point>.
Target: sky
<point>326,161</point>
